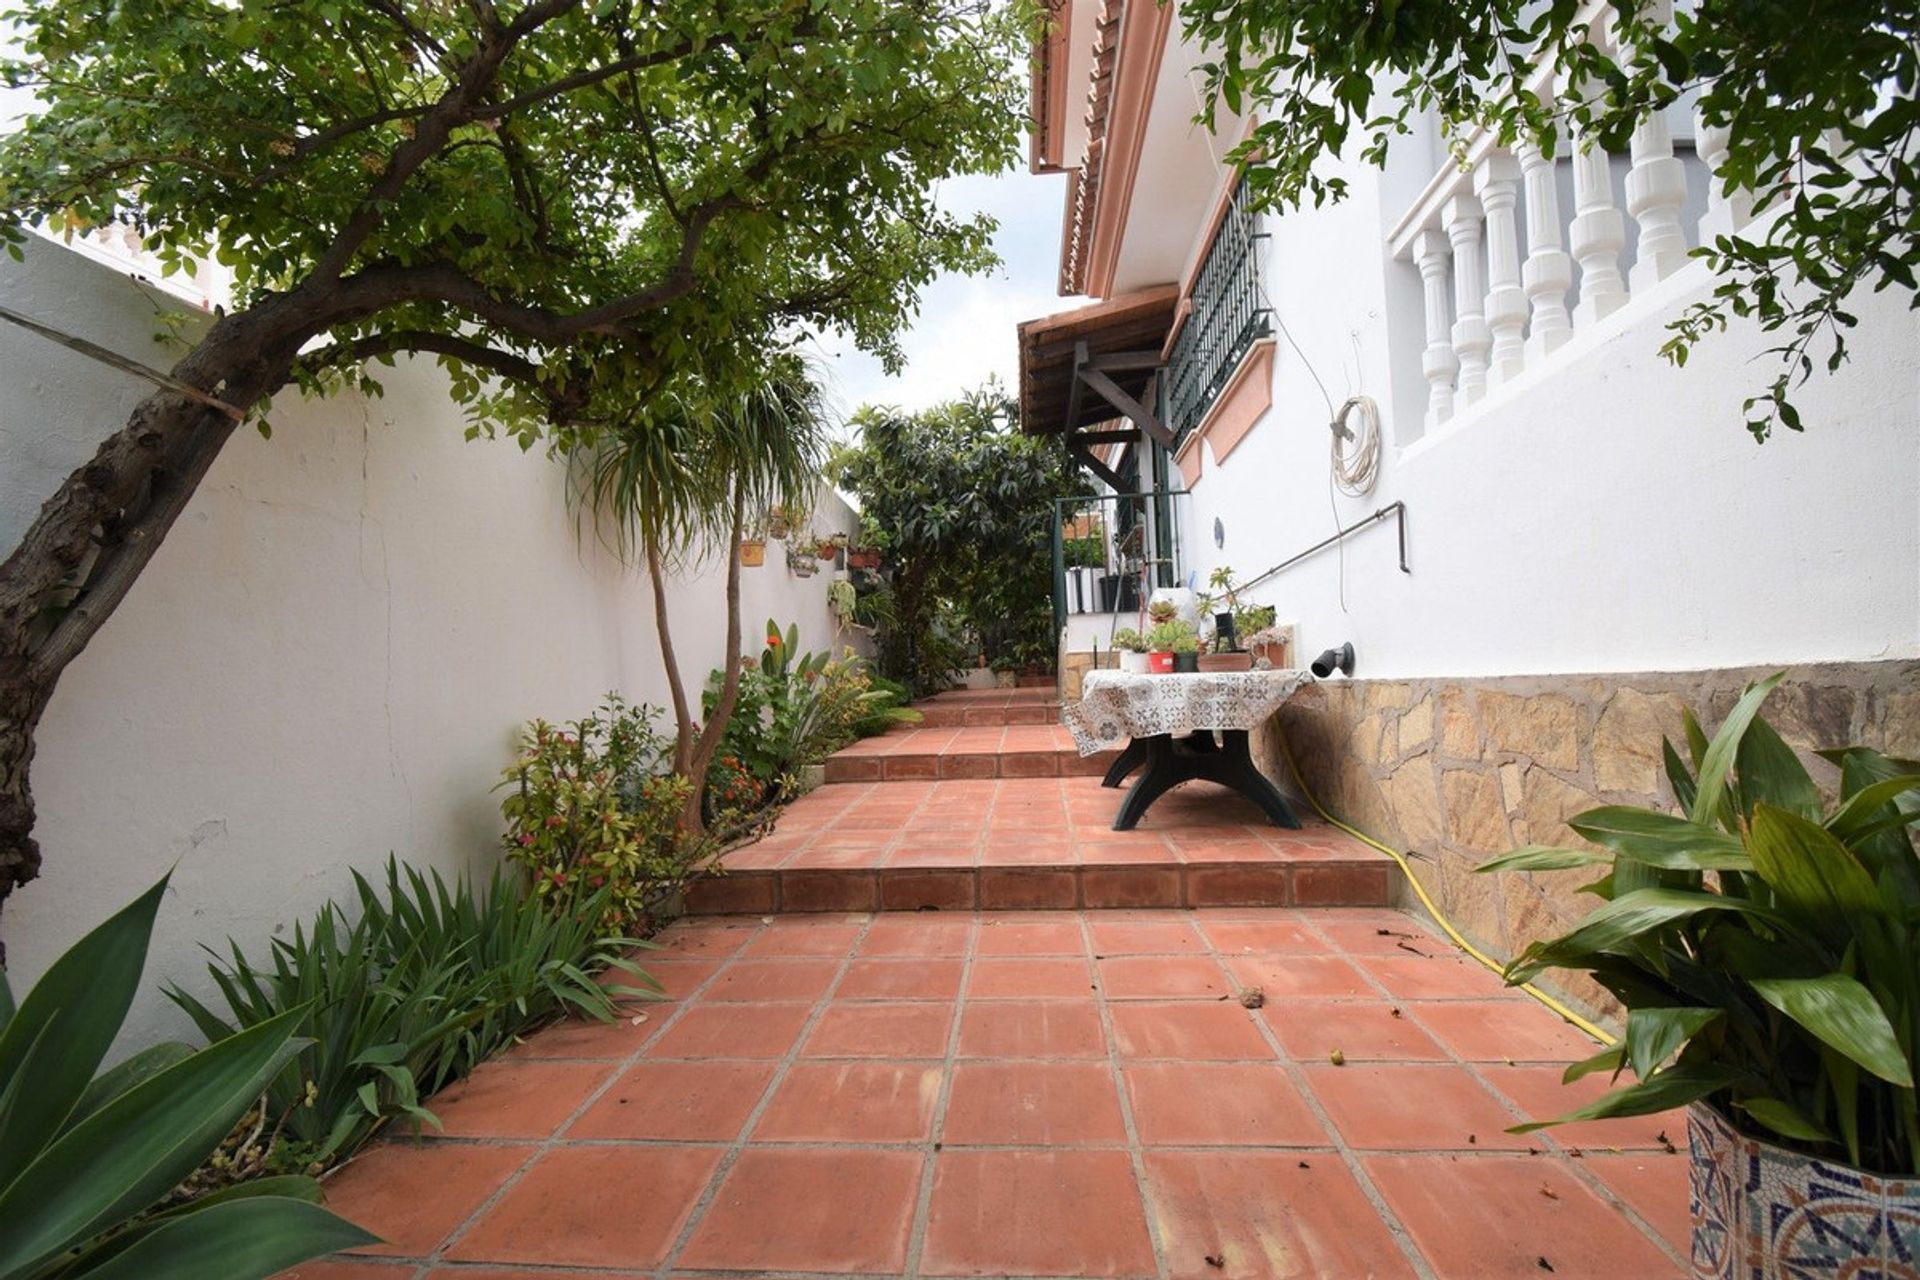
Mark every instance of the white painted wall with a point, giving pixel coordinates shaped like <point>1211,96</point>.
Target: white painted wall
<point>330,656</point>
<point>1608,512</point>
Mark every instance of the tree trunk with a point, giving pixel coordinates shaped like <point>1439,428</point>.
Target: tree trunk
<point>684,727</point>
<point>95,535</point>
<point>716,726</point>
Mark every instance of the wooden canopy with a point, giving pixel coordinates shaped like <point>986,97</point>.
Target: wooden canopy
<point>1065,357</point>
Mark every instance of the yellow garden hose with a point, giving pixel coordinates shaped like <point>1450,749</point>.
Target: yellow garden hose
<point>1433,909</point>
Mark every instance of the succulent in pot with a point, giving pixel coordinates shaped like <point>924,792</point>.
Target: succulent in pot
<point>1186,652</point>
<point>1161,639</point>
<point>1132,648</point>
<point>1765,943</point>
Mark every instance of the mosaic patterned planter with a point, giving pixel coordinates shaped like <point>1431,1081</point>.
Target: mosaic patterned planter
<point>1763,1213</point>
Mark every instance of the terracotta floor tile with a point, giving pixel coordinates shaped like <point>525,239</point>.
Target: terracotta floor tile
<point>1498,1216</point>
<point>1009,979</point>
<point>785,938</point>
<point>1287,937</point>
<point>1033,1103</point>
<point>713,936</point>
<point>1284,977</point>
<point>852,1102</point>
<point>1031,1029</point>
<point>902,979</point>
<point>1219,1104</point>
<point>677,1101</point>
<point>414,1195</point>
<point>517,1273</point>
<point>795,1210</point>
<point>593,1206</point>
<point>1000,937</point>
<point>677,978</point>
<point>916,934</point>
<point>1131,977</point>
<point>345,1269</point>
<point>774,980</point>
<point>1056,1213</point>
<point>915,853</point>
<point>1361,1030</point>
<point>1266,1214</point>
<point>1439,976</point>
<point>1654,1185</point>
<point>1537,1091</point>
<point>1409,1108</point>
<point>1381,936</point>
<point>520,1099</point>
<point>1501,1030</point>
<point>881,1030</point>
<point>1143,938</point>
<point>732,1031</point>
<point>1194,1030</point>
<point>590,1038</point>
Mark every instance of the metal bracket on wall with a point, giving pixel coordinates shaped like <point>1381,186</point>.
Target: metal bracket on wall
<point>1395,509</point>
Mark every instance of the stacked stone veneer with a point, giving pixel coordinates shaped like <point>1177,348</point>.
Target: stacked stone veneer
<point>1455,771</point>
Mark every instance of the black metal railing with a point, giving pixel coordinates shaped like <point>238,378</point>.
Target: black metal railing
<point>1110,552</point>
<point>1230,314</point>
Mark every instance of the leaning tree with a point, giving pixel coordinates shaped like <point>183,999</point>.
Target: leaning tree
<point>565,202</point>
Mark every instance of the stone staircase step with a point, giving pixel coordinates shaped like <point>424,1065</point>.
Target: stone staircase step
<point>1037,843</point>
<point>984,708</point>
<point>923,755</point>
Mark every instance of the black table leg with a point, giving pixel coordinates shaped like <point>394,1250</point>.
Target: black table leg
<point>1130,759</point>
<point>1230,764</point>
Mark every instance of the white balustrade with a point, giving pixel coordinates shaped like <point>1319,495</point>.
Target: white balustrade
<point>1496,180</point>
<point>1496,251</point>
<point>1472,340</point>
<point>1431,252</point>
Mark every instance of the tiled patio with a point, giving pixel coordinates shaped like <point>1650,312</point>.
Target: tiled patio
<point>1034,1094</point>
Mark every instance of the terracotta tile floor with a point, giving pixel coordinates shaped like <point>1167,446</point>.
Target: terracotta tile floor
<point>1037,842</point>
<point>1033,1094</point>
<point>981,751</point>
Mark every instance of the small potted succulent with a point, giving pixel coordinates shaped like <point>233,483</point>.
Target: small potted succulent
<point>1132,648</point>
<point>1765,941</point>
<point>1162,637</point>
<point>1161,612</point>
<point>1186,653</point>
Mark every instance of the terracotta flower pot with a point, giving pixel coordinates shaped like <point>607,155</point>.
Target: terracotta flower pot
<point>863,558</point>
<point>1160,663</point>
<point>753,551</point>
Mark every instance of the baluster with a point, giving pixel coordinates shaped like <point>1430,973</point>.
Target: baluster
<point>1548,272</point>
<point>1598,235</point>
<point>1496,182</point>
<point>1431,252</point>
<point>1656,193</point>
<point>1461,218</point>
<point>1727,211</point>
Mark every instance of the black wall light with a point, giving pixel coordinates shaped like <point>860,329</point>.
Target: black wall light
<point>1333,660</point>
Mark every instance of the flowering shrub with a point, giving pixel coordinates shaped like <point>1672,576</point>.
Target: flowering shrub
<point>592,805</point>
<point>796,709</point>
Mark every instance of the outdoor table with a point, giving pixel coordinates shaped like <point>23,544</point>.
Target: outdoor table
<point>1168,724</point>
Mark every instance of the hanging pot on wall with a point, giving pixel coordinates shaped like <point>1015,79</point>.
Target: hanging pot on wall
<point>753,551</point>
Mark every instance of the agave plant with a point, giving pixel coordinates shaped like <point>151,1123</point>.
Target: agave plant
<point>87,1161</point>
<point>1765,943</point>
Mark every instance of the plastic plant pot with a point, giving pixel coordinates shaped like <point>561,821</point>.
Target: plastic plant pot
<point>1160,664</point>
<point>1186,663</point>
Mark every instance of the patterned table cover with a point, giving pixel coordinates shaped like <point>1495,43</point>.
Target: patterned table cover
<point>1117,705</point>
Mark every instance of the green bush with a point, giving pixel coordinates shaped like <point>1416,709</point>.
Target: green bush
<point>425,984</point>
<point>593,805</point>
<point>796,709</point>
<point>887,709</point>
<point>88,1161</point>
<point>1785,991</point>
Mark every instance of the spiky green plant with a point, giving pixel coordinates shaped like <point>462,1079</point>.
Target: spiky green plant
<point>1765,943</point>
<point>88,1158</point>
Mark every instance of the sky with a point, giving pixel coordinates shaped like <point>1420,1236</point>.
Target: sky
<point>965,330</point>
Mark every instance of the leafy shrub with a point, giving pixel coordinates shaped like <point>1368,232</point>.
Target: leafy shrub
<point>428,982</point>
<point>797,709</point>
<point>592,805</point>
<point>1786,992</point>
<point>887,709</point>
<point>87,1161</point>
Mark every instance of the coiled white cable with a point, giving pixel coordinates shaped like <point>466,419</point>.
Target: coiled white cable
<point>1355,447</point>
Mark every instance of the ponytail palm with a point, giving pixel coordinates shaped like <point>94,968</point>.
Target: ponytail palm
<point>679,484</point>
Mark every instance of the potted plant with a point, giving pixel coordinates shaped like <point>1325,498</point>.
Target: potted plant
<point>1132,648</point>
<point>863,558</point>
<point>1186,652</point>
<point>753,551</point>
<point>1220,655</point>
<point>801,562</point>
<point>1270,646</point>
<point>1765,942</point>
<point>1161,637</point>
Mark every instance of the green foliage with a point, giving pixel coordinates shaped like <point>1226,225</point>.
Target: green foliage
<point>592,805</point>
<point>796,708</point>
<point>1130,640</point>
<point>88,1158</point>
<point>579,199</point>
<point>1089,552</point>
<point>1786,989</point>
<point>962,506</point>
<point>428,982</point>
<point>1162,610</point>
<point>888,709</point>
<point>1175,635</point>
<point>1822,132</point>
<point>1248,618</point>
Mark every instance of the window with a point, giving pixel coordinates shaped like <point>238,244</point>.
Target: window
<point>1230,314</point>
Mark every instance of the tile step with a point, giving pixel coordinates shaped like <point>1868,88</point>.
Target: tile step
<point>927,766</point>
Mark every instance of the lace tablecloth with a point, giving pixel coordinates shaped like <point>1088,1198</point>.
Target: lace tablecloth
<point>1116,705</point>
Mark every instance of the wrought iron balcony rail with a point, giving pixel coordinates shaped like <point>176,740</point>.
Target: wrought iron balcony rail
<point>1229,314</point>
